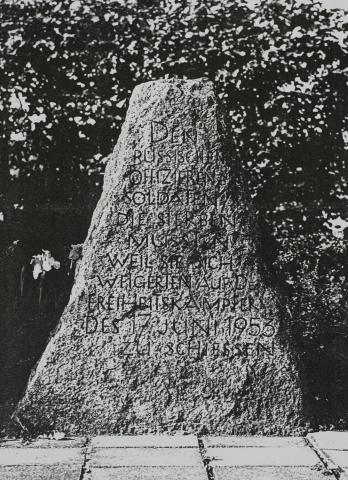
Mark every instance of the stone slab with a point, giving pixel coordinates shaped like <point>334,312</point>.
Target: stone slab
<point>40,456</point>
<point>195,326</point>
<point>249,441</point>
<point>268,473</point>
<point>148,441</point>
<point>150,457</point>
<point>74,442</point>
<point>41,472</point>
<point>149,473</point>
<point>339,457</point>
<point>330,440</point>
<point>267,456</point>
<point>334,447</point>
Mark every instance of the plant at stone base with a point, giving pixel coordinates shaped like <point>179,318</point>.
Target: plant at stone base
<point>42,263</point>
<point>75,254</point>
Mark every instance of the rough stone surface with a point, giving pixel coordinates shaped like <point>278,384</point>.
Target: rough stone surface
<point>172,323</point>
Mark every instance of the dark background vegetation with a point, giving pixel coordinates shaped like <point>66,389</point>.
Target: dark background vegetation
<point>67,69</point>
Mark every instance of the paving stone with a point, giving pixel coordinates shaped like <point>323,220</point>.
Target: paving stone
<point>41,472</point>
<point>151,457</point>
<point>246,441</point>
<point>149,473</point>
<point>330,440</point>
<point>74,442</point>
<point>265,456</point>
<point>40,456</point>
<point>128,441</point>
<point>334,446</point>
<point>269,473</point>
<point>340,457</point>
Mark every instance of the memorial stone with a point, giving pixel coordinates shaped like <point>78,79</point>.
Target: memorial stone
<point>172,323</point>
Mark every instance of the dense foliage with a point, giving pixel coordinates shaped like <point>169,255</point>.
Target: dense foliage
<point>67,69</point>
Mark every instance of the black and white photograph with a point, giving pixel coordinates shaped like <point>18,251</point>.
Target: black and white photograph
<point>173,239</point>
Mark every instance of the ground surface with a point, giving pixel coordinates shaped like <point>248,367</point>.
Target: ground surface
<point>185,457</point>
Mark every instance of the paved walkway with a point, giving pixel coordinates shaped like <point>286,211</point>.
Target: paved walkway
<point>319,456</point>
